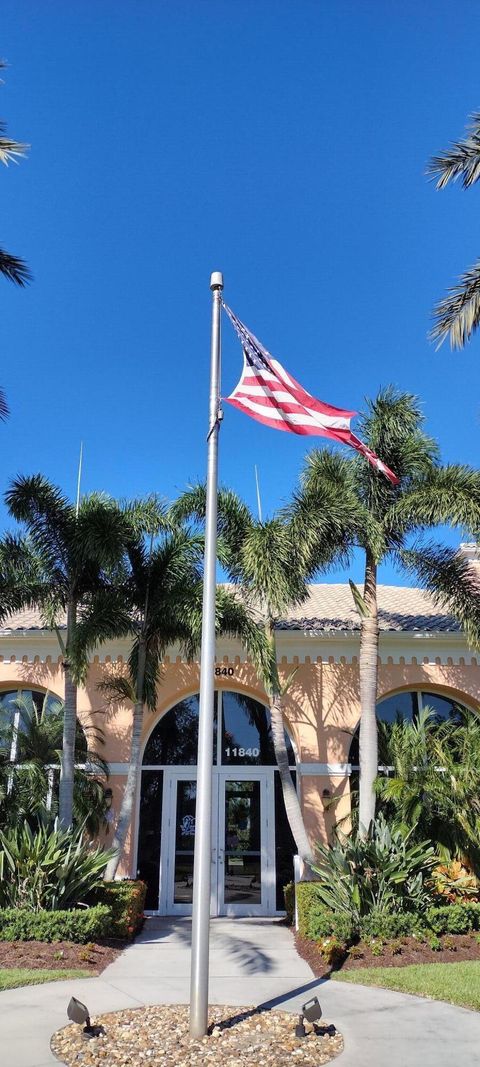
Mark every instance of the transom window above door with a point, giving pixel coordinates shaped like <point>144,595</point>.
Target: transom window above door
<point>242,734</point>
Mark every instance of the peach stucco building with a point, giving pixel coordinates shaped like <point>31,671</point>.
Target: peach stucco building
<point>423,657</point>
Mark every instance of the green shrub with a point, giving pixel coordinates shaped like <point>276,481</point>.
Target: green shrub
<point>47,869</point>
<point>384,871</point>
<point>289,895</point>
<point>434,942</point>
<point>126,901</point>
<point>451,918</point>
<point>473,910</point>
<point>307,897</point>
<point>390,925</point>
<point>79,924</point>
<point>324,923</point>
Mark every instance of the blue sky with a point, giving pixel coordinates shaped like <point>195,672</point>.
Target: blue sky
<point>284,143</point>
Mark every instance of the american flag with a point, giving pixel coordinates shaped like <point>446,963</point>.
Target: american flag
<point>269,394</point>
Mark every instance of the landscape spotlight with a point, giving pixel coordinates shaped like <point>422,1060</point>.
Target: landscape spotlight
<point>312,1012</point>
<point>78,1013</point>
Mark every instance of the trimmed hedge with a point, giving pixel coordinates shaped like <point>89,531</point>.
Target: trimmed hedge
<point>79,924</point>
<point>289,894</point>
<point>391,925</point>
<point>317,922</point>
<point>307,897</point>
<point>454,918</point>
<point>323,923</point>
<point>126,901</point>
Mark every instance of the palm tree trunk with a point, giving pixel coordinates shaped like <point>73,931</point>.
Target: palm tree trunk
<point>128,800</point>
<point>67,769</point>
<point>290,797</point>
<point>368,697</point>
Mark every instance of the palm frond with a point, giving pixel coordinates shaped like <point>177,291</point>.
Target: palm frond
<point>458,314</point>
<point>451,581</point>
<point>461,160</point>
<point>4,408</point>
<point>234,518</point>
<point>393,426</point>
<point>449,494</point>
<point>9,149</point>
<point>148,516</point>
<point>100,531</point>
<point>14,268</point>
<point>117,688</point>
<point>47,514</point>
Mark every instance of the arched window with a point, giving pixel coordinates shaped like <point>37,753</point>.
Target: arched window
<point>242,734</point>
<point>407,705</point>
<point>18,707</point>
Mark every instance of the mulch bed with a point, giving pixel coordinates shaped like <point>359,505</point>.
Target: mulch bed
<point>455,947</point>
<point>59,955</point>
<point>237,1037</point>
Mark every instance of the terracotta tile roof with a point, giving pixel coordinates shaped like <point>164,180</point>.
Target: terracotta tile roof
<point>331,607</point>
<point>328,608</point>
<point>26,620</point>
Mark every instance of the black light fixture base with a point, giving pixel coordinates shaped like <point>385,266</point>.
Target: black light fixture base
<point>92,1031</point>
<point>300,1030</point>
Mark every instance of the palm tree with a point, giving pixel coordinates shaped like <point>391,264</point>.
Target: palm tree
<point>30,759</point>
<point>155,601</point>
<point>270,564</point>
<point>74,547</point>
<point>458,315</point>
<point>386,518</point>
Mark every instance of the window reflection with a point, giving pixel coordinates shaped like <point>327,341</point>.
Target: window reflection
<point>407,706</point>
<point>175,737</point>
<point>246,734</point>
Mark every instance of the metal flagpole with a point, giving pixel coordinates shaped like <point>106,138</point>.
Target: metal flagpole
<point>203,818</point>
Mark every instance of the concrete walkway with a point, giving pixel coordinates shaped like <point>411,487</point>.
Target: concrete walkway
<point>251,962</point>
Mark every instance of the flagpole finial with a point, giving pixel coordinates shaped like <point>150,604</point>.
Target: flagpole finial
<point>216,280</point>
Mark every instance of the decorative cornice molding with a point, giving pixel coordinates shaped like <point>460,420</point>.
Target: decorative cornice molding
<point>295,648</point>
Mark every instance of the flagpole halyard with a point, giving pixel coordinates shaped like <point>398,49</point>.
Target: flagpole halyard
<point>203,817</point>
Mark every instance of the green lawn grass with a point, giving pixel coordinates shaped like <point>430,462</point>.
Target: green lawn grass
<point>12,977</point>
<point>458,983</point>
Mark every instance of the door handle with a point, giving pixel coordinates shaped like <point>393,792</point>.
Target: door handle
<point>221,855</point>
<point>214,855</point>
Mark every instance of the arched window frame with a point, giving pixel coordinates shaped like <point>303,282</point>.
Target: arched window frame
<point>217,763</point>
<point>421,692</point>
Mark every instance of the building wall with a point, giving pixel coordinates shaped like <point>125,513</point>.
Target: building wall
<point>322,706</point>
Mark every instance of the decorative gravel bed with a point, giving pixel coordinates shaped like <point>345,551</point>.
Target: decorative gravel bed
<point>237,1037</point>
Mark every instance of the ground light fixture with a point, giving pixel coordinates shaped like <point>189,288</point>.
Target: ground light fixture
<point>312,1012</point>
<point>78,1013</point>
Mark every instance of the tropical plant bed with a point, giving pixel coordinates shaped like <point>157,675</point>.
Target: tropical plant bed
<point>401,952</point>
<point>237,1037</point>
<point>58,955</point>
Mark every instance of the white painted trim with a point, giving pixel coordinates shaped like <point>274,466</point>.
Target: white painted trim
<point>329,769</point>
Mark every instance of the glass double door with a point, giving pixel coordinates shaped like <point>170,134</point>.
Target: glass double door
<point>243,856</point>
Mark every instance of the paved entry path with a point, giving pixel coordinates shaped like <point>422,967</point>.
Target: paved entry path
<point>252,961</point>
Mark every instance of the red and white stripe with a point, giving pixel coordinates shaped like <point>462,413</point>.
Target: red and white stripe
<point>270,395</point>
